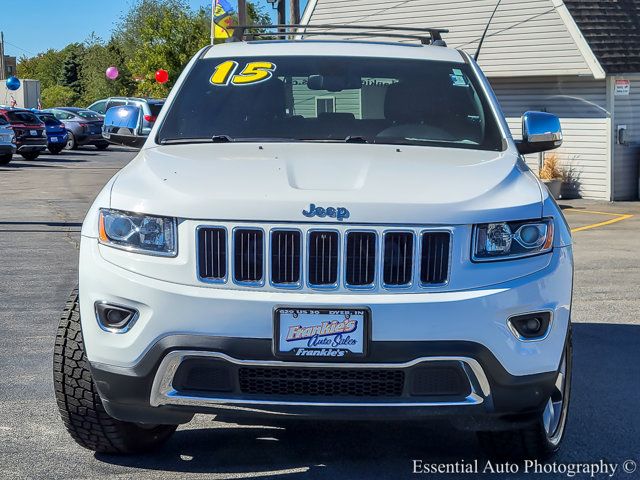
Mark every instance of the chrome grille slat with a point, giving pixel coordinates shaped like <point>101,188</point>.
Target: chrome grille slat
<point>248,256</point>
<point>360,259</point>
<point>212,263</point>
<point>324,258</point>
<point>398,259</point>
<point>434,268</point>
<point>285,257</point>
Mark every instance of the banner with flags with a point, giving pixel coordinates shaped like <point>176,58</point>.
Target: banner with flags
<point>222,19</point>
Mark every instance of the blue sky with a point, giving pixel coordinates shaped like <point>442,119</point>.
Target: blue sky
<point>37,25</point>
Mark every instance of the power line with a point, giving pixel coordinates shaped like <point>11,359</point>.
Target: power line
<point>19,48</point>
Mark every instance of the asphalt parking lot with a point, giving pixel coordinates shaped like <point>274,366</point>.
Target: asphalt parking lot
<point>42,204</point>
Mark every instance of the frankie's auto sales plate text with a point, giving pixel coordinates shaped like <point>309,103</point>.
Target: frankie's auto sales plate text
<point>321,333</point>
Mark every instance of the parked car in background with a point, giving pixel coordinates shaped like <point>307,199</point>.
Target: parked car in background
<point>122,126</point>
<point>56,131</point>
<point>150,108</point>
<point>7,142</point>
<point>29,131</point>
<point>84,127</point>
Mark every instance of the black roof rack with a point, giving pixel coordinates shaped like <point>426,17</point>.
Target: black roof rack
<point>426,35</point>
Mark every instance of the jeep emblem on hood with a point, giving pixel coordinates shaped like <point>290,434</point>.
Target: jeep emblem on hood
<point>339,213</point>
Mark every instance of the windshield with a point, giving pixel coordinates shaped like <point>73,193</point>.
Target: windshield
<point>49,120</point>
<point>23,117</point>
<point>88,114</point>
<point>353,99</point>
<point>155,108</point>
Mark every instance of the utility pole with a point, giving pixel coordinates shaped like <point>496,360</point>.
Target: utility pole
<point>242,12</point>
<point>294,12</point>
<point>2,66</point>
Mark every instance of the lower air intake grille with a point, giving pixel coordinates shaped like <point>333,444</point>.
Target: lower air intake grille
<point>361,258</point>
<point>323,258</point>
<point>285,257</point>
<point>248,255</point>
<point>398,258</point>
<point>318,382</point>
<point>212,253</point>
<point>434,269</point>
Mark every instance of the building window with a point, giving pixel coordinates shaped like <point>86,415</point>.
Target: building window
<point>325,105</point>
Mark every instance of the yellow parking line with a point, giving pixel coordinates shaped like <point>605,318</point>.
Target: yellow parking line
<point>618,218</point>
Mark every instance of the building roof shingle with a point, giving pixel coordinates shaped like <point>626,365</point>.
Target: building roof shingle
<point>612,30</point>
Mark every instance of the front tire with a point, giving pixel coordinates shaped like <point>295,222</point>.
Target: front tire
<point>5,159</point>
<point>543,438</point>
<point>102,146</point>
<point>30,155</point>
<point>80,406</point>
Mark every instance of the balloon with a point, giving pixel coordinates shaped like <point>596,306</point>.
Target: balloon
<point>13,83</point>
<point>162,76</point>
<point>112,73</point>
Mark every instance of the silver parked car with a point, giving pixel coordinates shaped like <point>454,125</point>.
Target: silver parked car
<point>150,108</point>
<point>7,142</point>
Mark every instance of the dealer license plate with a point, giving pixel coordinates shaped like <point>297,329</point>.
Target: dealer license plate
<point>321,333</point>
<point>34,133</point>
<point>55,139</point>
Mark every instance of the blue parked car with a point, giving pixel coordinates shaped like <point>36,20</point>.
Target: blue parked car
<point>57,136</point>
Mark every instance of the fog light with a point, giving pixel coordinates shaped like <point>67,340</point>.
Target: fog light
<point>530,326</point>
<point>115,318</point>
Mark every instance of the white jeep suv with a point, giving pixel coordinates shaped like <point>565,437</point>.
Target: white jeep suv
<point>324,229</point>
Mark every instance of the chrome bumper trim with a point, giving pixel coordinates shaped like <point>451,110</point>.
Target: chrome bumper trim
<point>163,393</point>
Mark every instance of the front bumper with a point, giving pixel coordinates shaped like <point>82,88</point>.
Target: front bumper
<point>7,148</point>
<point>507,376</point>
<point>153,390</point>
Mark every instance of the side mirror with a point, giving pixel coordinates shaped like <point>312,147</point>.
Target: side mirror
<point>121,126</point>
<point>540,132</point>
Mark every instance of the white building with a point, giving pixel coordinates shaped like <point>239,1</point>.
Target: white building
<point>577,59</point>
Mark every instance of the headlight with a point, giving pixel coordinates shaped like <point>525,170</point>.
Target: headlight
<point>138,233</point>
<point>507,240</point>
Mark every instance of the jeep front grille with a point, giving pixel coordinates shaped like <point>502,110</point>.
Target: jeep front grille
<point>309,257</point>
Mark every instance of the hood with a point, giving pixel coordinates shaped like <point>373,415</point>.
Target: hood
<point>379,184</point>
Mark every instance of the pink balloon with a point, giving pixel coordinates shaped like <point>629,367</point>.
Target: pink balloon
<point>112,73</point>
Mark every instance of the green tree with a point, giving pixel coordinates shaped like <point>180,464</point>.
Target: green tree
<point>162,34</point>
<point>57,96</point>
<point>98,56</point>
<point>153,34</point>
<point>45,67</point>
<point>71,66</point>
<point>166,34</point>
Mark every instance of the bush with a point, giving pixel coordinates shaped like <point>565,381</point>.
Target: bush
<point>58,96</point>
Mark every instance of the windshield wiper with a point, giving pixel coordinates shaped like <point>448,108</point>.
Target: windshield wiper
<point>221,139</point>
<point>355,139</point>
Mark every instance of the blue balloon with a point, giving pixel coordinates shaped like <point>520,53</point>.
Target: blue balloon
<point>13,83</point>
